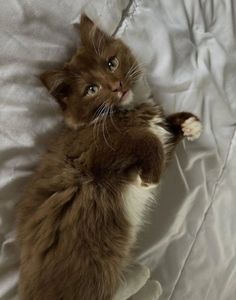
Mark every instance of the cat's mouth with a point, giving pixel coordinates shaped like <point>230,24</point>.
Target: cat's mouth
<point>122,94</point>
<point>125,97</point>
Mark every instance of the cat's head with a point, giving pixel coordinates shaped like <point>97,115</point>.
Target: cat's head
<point>100,76</point>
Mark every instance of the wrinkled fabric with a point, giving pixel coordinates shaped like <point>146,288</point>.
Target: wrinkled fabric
<point>188,48</point>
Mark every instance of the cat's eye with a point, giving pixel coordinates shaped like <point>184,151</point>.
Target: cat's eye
<point>92,90</point>
<point>113,63</point>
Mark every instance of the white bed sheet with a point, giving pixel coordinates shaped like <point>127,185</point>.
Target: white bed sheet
<point>189,49</point>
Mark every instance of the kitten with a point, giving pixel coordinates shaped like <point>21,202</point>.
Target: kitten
<point>80,215</point>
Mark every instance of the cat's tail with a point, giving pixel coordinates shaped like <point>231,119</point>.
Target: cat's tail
<point>75,246</point>
<point>104,241</point>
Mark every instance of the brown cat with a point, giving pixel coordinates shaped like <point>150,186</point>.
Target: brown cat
<point>78,220</point>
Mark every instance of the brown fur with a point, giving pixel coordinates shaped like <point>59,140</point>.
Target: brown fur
<point>72,229</point>
<point>87,66</point>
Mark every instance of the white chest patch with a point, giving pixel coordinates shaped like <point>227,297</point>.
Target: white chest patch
<point>137,201</point>
<point>158,130</point>
<point>137,198</point>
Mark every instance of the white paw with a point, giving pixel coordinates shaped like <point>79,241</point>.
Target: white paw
<point>192,128</point>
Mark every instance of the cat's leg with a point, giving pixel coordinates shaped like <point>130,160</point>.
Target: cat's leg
<point>150,159</point>
<point>180,125</point>
<point>184,124</point>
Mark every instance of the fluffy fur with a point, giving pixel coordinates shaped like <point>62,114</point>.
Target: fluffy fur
<point>79,217</point>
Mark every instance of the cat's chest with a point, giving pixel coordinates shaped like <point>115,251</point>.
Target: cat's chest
<point>137,197</point>
<point>137,201</point>
<point>155,125</point>
<point>149,117</point>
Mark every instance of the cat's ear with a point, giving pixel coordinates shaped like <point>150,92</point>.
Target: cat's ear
<point>90,34</point>
<point>59,85</point>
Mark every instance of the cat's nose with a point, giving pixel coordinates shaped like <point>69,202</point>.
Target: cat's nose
<point>116,86</point>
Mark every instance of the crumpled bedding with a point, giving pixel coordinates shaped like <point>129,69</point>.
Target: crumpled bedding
<point>188,48</point>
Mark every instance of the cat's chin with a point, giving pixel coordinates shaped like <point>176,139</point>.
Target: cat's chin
<point>127,99</point>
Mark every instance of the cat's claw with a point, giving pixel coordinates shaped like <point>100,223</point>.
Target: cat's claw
<point>192,128</point>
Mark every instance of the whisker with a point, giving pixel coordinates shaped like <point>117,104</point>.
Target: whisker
<point>99,120</point>
<point>99,44</point>
<point>134,77</point>
<point>108,114</point>
<point>130,69</point>
<point>92,34</point>
<point>135,69</point>
<point>96,122</point>
<point>104,134</point>
<point>98,110</point>
<point>112,120</point>
<point>136,66</point>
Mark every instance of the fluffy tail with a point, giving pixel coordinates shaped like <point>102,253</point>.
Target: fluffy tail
<point>105,242</point>
<point>74,246</point>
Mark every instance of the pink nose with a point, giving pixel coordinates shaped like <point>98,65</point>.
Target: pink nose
<point>116,86</point>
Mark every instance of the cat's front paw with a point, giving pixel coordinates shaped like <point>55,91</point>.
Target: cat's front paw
<point>192,128</point>
<point>150,174</point>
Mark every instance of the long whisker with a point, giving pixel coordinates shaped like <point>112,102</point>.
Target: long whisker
<point>104,134</point>
<point>96,121</point>
<point>135,75</point>
<point>92,34</point>
<point>99,121</point>
<point>97,112</point>
<point>112,120</point>
<point>135,67</point>
<point>109,113</point>
<point>100,44</point>
<point>130,69</point>
<point>136,70</point>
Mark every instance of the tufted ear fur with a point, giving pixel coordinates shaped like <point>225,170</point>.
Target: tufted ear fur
<point>58,82</point>
<point>90,34</point>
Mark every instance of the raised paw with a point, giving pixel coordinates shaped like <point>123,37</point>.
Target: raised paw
<point>192,128</point>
